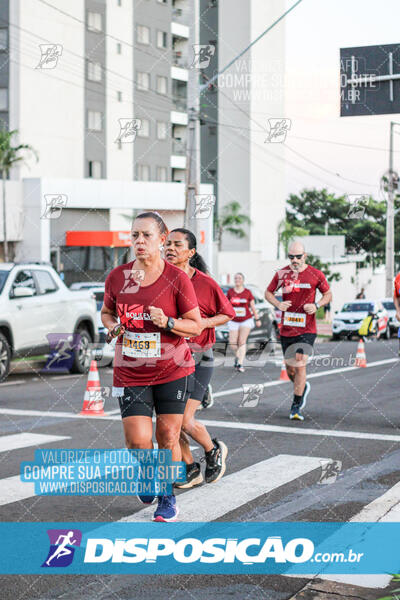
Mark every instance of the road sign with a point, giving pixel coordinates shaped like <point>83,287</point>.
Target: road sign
<point>370,80</point>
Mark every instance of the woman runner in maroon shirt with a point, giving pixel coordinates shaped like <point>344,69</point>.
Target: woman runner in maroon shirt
<point>215,309</point>
<point>152,358</point>
<point>243,303</point>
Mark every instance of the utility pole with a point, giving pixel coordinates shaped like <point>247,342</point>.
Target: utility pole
<point>389,250</point>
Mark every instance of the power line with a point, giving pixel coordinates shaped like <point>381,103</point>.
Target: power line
<point>251,44</point>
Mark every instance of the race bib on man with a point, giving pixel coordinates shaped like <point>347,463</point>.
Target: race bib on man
<point>240,311</point>
<point>292,319</point>
<point>141,345</point>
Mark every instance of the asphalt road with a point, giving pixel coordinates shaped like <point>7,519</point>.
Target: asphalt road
<point>352,419</point>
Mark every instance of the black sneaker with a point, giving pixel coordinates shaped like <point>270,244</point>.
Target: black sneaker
<point>193,477</point>
<point>306,391</point>
<point>215,461</point>
<point>208,399</point>
<point>295,411</point>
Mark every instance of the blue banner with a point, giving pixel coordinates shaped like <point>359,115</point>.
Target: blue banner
<point>214,548</point>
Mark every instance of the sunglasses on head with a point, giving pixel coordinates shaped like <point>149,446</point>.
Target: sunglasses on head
<point>292,256</point>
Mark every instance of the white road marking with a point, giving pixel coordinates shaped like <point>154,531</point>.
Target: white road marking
<point>56,414</point>
<point>384,509</point>
<point>377,363</point>
<point>209,502</point>
<point>13,382</point>
<point>12,489</point>
<point>24,440</point>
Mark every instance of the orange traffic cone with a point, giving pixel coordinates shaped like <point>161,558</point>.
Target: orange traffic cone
<point>284,376</point>
<point>361,359</point>
<point>93,402</point>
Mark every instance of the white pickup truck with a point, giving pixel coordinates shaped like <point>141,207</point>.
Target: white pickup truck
<point>35,302</point>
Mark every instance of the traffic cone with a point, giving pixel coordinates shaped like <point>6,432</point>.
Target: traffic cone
<point>93,402</point>
<point>361,359</point>
<point>284,376</point>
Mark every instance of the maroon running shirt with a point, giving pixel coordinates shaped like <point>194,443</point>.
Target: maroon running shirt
<point>300,289</point>
<point>147,354</point>
<point>212,301</point>
<point>241,304</point>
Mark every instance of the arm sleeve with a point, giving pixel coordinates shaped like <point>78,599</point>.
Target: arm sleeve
<point>186,296</point>
<point>222,304</point>
<point>109,295</point>
<point>250,295</point>
<point>323,285</point>
<point>273,286</point>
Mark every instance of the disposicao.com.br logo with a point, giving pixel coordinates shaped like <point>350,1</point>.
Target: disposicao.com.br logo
<point>189,550</point>
<point>62,547</point>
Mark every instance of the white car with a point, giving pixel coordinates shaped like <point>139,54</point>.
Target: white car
<point>35,302</point>
<point>106,352</point>
<point>391,310</point>
<point>85,285</point>
<point>348,321</point>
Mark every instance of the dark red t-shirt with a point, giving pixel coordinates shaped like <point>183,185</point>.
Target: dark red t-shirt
<point>300,289</point>
<point>241,303</point>
<point>212,301</point>
<point>147,354</point>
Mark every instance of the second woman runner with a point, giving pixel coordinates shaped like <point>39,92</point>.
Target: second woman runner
<point>215,309</point>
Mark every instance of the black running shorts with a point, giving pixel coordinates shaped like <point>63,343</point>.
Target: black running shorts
<point>166,398</point>
<point>298,340</point>
<point>199,380</point>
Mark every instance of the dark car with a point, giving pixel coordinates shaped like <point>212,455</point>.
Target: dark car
<point>259,336</point>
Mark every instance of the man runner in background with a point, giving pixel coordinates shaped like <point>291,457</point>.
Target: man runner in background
<point>298,283</point>
<point>396,300</point>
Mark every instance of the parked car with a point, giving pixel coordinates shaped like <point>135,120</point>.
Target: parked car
<point>259,336</point>
<point>391,310</point>
<point>106,352</point>
<point>85,285</point>
<point>35,302</point>
<point>347,321</point>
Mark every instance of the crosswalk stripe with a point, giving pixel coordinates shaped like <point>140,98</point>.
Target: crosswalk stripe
<point>24,440</point>
<point>12,489</point>
<point>301,431</point>
<point>209,502</point>
<point>384,509</point>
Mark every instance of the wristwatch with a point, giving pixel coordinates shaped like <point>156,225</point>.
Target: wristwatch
<point>316,305</point>
<point>170,324</point>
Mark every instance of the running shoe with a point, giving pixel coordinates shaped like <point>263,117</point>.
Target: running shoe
<point>306,391</point>
<point>146,499</point>
<point>240,368</point>
<point>167,509</point>
<point>215,461</point>
<point>193,477</point>
<point>296,414</point>
<point>208,399</point>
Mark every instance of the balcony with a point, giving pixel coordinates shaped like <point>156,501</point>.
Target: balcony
<point>178,147</point>
<point>179,73</point>
<point>181,16</point>
<point>180,59</point>
<point>179,103</point>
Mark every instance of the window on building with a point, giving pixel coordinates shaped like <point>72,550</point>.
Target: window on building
<point>212,130</point>
<point>95,120</point>
<point>144,130</point>
<point>95,169</point>
<point>45,282</point>
<point>143,34</point>
<point>143,172</point>
<point>163,1</point>
<point>162,39</point>
<point>162,84</point>
<point>119,96</point>
<point>143,81</point>
<point>3,38</point>
<point>119,48</point>
<point>162,174</point>
<point>211,173</point>
<point>94,21</point>
<point>3,99</point>
<point>162,130</point>
<point>94,71</point>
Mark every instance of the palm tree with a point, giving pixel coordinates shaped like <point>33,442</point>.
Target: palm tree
<point>231,220</point>
<point>287,232</point>
<point>9,157</point>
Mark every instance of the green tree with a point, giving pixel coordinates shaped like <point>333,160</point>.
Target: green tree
<point>288,232</point>
<point>10,156</point>
<point>231,220</point>
<point>317,209</point>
